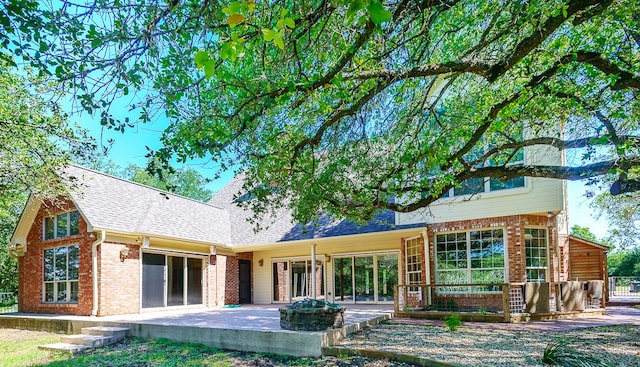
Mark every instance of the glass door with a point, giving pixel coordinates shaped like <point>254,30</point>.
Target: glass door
<point>292,281</point>
<point>153,280</point>
<point>365,289</point>
<point>171,280</point>
<point>343,279</point>
<point>365,279</point>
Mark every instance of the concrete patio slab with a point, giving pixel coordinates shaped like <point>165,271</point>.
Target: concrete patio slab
<point>250,328</point>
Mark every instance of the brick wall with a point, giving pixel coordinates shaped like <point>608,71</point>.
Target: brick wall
<point>31,265</point>
<point>119,280</point>
<point>514,236</point>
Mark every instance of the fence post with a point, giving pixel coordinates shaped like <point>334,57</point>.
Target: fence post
<point>506,305</point>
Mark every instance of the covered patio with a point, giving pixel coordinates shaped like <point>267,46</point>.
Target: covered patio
<point>251,328</point>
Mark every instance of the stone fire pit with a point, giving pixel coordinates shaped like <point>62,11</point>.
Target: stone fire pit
<point>312,315</point>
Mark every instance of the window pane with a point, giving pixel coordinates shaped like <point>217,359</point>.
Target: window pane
<point>48,292</point>
<point>73,262</point>
<point>73,223</point>
<point>62,292</point>
<point>508,184</point>
<point>49,230</point>
<point>61,263</point>
<point>536,251</point>
<point>61,225</point>
<point>48,264</point>
<point>470,186</point>
<point>73,293</point>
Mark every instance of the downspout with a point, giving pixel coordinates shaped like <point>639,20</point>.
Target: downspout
<point>94,272</point>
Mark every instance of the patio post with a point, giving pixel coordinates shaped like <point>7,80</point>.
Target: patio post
<point>313,271</point>
<point>506,304</point>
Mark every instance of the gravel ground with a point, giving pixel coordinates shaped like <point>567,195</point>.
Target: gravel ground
<point>478,346</point>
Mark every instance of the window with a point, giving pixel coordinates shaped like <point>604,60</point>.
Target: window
<point>470,257</point>
<point>486,184</point>
<point>61,225</point>
<point>536,253</point>
<point>413,261</point>
<point>61,274</point>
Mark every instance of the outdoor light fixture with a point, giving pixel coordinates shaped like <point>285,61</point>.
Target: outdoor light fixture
<point>260,262</point>
<point>124,253</point>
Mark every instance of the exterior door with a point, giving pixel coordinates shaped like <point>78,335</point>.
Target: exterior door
<point>244,276</point>
<point>153,280</point>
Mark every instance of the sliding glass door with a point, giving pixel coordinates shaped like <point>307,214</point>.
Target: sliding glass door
<point>169,280</point>
<point>292,280</point>
<point>366,278</point>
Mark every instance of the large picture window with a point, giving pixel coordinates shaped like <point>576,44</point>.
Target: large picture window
<point>61,274</point>
<point>470,257</point>
<point>61,225</point>
<point>537,254</point>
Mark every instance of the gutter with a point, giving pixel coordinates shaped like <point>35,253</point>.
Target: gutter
<point>94,272</point>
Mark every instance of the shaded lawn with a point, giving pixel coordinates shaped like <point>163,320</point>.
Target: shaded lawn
<point>23,351</point>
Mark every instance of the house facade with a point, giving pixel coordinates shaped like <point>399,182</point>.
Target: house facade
<point>117,247</point>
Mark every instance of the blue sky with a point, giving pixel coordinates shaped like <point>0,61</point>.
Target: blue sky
<point>130,148</point>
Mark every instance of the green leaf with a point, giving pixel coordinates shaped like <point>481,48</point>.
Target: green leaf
<point>235,19</point>
<point>269,34</point>
<point>209,69</point>
<point>354,7</point>
<point>290,23</point>
<point>278,41</point>
<point>234,8</point>
<point>377,13</point>
<point>201,58</point>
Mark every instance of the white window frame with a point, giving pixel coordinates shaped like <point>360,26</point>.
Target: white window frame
<point>68,282</point>
<point>467,271</point>
<point>413,261</point>
<point>55,225</point>
<point>527,243</point>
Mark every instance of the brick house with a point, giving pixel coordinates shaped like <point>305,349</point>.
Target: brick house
<point>118,247</point>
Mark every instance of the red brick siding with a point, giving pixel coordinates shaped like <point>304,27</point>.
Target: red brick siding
<point>514,236</point>
<point>119,280</point>
<point>30,266</point>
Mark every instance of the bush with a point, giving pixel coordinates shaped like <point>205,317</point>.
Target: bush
<point>558,353</point>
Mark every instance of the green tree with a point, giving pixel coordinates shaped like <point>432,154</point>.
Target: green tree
<point>624,262</point>
<point>584,233</point>
<point>623,216</point>
<point>341,105</point>
<point>36,141</point>
<point>184,181</point>
<point>11,204</point>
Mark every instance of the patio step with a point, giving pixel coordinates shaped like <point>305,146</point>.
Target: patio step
<point>91,337</point>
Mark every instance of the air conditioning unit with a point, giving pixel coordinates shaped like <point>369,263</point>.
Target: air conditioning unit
<point>572,295</point>
<point>536,296</point>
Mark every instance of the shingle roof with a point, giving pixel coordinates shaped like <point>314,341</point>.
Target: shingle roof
<point>280,225</point>
<point>116,204</point>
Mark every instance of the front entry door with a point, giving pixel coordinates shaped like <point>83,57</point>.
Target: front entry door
<point>244,276</point>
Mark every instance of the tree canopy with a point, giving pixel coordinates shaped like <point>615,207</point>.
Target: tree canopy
<point>184,181</point>
<point>342,105</point>
<point>35,138</point>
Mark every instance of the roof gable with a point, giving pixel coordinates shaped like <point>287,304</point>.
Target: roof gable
<point>114,204</point>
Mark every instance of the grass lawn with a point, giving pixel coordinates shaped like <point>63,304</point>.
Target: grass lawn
<point>20,348</point>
